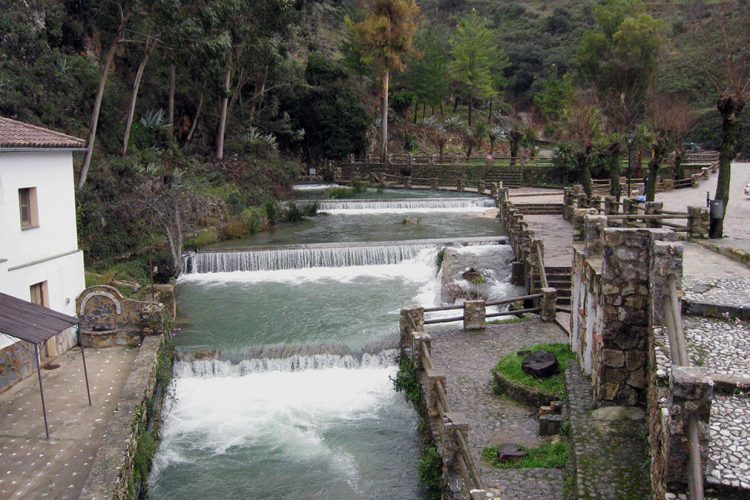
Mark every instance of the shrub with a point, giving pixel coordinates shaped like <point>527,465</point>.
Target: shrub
<point>254,220</point>
<point>431,471</point>
<point>273,210</point>
<point>205,237</point>
<point>339,193</point>
<point>406,381</point>
<point>311,209</point>
<point>293,212</point>
<point>234,228</point>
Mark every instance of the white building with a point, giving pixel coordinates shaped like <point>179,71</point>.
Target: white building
<point>39,256</point>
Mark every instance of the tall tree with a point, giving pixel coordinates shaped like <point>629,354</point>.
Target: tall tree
<point>725,60</point>
<point>475,59</point>
<point>385,38</point>
<point>427,74</point>
<point>583,130</point>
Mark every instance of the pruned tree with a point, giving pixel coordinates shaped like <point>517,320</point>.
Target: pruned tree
<point>583,130</point>
<point>725,60</point>
<point>675,117</point>
<point>385,38</point>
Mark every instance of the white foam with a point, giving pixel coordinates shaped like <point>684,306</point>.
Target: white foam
<point>289,411</point>
<point>313,187</point>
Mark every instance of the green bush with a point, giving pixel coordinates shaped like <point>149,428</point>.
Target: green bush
<point>430,469</point>
<point>293,212</point>
<point>339,193</point>
<point>406,381</point>
<point>234,228</point>
<point>273,211</point>
<point>311,209</point>
<point>510,368</point>
<point>254,220</point>
<point>206,237</point>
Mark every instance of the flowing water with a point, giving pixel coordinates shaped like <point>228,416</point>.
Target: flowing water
<point>283,386</point>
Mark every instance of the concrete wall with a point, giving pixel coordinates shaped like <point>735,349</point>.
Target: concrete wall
<point>48,252</point>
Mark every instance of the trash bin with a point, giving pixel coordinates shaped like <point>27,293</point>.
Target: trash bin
<point>716,208</point>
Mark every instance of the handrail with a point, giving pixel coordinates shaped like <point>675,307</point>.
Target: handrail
<point>678,349</point>
<point>647,216</point>
<point>509,300</point>
<point>540,263</point>
<point>464,458</point>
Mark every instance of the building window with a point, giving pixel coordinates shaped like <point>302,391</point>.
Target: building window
<point>39,294</point>
<point>28,208</point>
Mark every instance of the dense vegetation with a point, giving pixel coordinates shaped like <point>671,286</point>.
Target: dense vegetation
<point>200,114</point>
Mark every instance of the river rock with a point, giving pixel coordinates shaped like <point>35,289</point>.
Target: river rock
<point>471,274</point>
<point>541,364</point>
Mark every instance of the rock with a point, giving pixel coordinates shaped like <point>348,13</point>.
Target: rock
<point>541,364</point>
<point>549,425</point>
<point>472,275</point>
<point>510,452</point>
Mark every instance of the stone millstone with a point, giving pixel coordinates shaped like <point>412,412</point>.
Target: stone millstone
<point>510,452</point>
<point>540,364</point>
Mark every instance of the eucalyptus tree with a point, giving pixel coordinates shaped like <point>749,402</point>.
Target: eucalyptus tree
<point>385,38</point>
<point>476,59</point>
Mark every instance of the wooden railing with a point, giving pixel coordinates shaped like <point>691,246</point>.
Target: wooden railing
<point>679,354</point>
<point>451,424</point>
<point>482,304</point>
<point>389,180</point>
<point>446,159</point>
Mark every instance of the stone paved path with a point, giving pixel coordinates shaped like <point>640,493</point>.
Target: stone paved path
<point>467,359</point>
<point>30,465</point>
<point>610,457</point>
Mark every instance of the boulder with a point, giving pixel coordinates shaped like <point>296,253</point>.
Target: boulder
<point>540,364</point>
<point>472,275</point>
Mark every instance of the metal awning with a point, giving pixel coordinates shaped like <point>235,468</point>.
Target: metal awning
<point>36,324</point>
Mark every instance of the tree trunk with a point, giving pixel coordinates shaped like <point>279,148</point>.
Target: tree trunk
<point>515,141</point>
<point>110,57</point>
<point>658,151</point>
<point>170,98</point>
<point>489,116</point>
<point>416,110</point>
<point>471,106</point>
<point>730,107</point>
<point>223,113</point>
<point>150,44</point>
<point>583,164</point>
<point>195,120</point>
<point>455,105</point>
<point>679,169</point>
<point>384,117</point>
<point>613,165</point>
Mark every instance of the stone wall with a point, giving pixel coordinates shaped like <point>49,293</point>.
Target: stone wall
<point>108,318</point>
<point>112,469</point>
<point>609,320</point>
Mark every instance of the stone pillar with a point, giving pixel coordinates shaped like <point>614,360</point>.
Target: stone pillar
<point>453,423</point>
<point>578,222</point>
<point>474,315</point>
<point>629,207</point>
<point>668,184</point>
<point>665,261</point>
<point>619,347</point>
<point>653,208</point>
<point>480,187</point>
<point>517,273</point>
<point>419,338</point>
<point>548,304</point>
<point>411,320</point>
<point>594,226</point>
<point>433,377</point>
<point>698,222</point>
<point>595,202</point>
<point>568,204</point>
<point>434,185</point>
<point>460,185</point>
<point>612,207</point>
<point>493,189</point>
<point>407,182</point>
<point>692,392</point>
<point>582,201</point>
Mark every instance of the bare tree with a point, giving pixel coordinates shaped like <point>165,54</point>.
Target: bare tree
<point>583,130</point>
<point>676,119</point>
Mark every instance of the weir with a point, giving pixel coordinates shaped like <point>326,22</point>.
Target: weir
<point>406,204</point>
<point>319,255</point>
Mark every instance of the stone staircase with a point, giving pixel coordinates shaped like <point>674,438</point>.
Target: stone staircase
<point>558,278</point>
<point>510,177</point>
<point>540,208</point>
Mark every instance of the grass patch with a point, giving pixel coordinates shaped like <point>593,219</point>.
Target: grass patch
<point>517,319</point>
<point>510,368</point>
<point>546,456</point>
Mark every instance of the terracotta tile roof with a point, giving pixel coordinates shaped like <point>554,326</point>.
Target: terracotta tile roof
<point>15,134</point>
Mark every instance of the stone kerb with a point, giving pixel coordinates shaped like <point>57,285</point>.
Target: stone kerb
<point>594,226</point>
<point>698,222</point>
<point>411,319</point>
<point>578,221</point>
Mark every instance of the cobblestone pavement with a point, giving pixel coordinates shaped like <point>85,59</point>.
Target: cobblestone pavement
<point>721,292</point>
<point>557,235</point>
<point>611,456</point>
<point>729,446</point>
<point>30,465</point>
<point>702,265</point>
<point>719,345</point>
<point>467,359</point>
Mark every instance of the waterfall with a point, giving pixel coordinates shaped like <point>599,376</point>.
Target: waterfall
<point>205,368</point>
<point>423,203</point>
<point>300,258</point>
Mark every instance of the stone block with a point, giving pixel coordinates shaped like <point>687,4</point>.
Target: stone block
<point>613,358</point>
<point>594,234</point>
<point>549,425</point>
<point>475,313</point>
<point>548,304</point>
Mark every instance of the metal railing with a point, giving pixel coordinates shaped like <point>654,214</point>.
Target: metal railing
<point>678,350</point>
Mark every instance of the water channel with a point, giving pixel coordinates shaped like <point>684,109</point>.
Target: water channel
<point>283,388</point>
